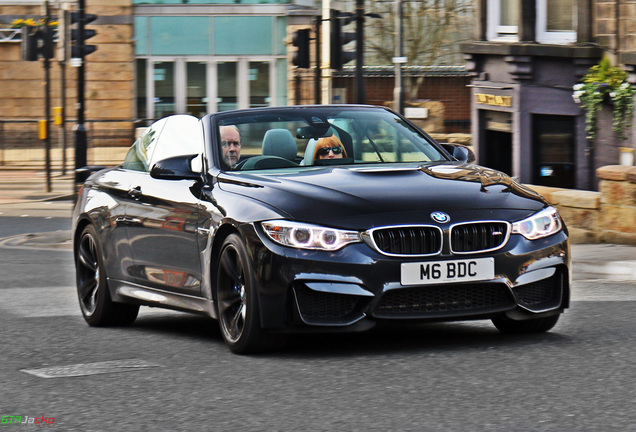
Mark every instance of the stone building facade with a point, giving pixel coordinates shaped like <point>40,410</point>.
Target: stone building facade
<point>110,78</point>
<point>525,60</point>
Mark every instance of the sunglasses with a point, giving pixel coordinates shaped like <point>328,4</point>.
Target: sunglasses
<point>325,151</point>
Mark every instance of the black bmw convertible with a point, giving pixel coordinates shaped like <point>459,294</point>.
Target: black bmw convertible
<point>276,221</point>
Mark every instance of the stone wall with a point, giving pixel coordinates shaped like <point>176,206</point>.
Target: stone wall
<point>607,216</point>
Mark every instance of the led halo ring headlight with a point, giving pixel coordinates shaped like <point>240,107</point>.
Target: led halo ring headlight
<point>541,224</point>
<point>306,236</point>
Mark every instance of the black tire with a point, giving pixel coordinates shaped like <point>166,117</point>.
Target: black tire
<point>237,302</point>
<point>536,325</point>
<point>92,285</point>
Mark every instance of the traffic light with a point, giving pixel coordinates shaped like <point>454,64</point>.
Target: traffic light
<point>36,43</point>
<point>300,39</point>
<point>338,39</point>
<point>79,49</point>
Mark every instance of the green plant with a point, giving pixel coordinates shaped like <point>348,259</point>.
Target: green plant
<point>605,83</point>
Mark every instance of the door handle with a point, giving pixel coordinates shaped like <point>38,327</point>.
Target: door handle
<point>135,192</point>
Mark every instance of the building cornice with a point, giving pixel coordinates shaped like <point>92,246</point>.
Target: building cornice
<point>533,49</point>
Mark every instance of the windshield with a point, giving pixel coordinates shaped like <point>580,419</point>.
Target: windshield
<point>296,137</point>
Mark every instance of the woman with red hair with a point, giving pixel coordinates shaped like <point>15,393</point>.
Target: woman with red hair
<point>329,148</point>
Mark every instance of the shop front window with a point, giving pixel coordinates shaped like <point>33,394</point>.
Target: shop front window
<point>196,103</point>
<point>227,85</point>
<point>164,100</point>
<point>259,84</point>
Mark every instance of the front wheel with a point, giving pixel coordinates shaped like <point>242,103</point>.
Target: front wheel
<point>92,285</point>
<point>536,325</point>
<point>237,301</point>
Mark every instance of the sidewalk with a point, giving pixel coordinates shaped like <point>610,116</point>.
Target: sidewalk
<point>29,185</point>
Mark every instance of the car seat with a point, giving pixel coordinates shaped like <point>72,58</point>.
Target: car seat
<point>281,143</point>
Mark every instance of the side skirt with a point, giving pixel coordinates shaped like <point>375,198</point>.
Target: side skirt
<point>126,292</point>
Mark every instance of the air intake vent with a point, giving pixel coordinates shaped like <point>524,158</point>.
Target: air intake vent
<point>479,237</point>
<point>408,240</point>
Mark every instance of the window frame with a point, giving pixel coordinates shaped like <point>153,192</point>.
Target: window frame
<point>556,37</point>
<point>498,32</point>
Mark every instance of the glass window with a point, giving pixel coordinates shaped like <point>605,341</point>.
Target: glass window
<point>180,35</point>
<point>196,104</point>
<point>138,157</point>
<point>141,71</point>
<point>503,17</point>
<point>243,35</point>
<point>508,12</point>
<point>300,138</point>
<point>560,15</point>
<point>141,35</point>
<point>556,21</point>
<point>259,84</point>
<point>554,151</point>
<point>227,86</point>
<point>182,135</point>
<point>163,74</point>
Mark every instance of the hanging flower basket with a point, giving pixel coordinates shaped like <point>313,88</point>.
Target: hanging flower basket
<point>605,84</point>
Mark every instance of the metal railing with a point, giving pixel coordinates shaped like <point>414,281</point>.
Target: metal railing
<point>20,146</point>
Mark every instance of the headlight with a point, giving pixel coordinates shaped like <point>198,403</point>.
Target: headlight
<point>306,236</point>
<point>539,225</point>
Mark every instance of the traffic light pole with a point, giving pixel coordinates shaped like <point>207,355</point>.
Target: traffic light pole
<point>79,131</point>
<point>398,60</point>
<point>360,90</point>
<point>47,95</point>
<point>317,89</point>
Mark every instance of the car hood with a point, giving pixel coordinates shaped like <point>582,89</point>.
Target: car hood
<point>345,196</point>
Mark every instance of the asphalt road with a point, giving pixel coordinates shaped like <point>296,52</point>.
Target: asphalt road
<point>172,372</point>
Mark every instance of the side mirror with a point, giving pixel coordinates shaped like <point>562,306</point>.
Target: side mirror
<point>175,168</point>
<point>460,152</point>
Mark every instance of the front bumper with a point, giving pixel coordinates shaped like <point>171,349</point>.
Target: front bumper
<point>355,287</point>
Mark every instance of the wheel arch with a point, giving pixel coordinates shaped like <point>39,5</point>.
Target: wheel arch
<point>82,223</point>
<point>221,234</point>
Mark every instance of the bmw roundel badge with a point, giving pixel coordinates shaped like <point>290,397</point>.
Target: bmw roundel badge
<point>440,217</point>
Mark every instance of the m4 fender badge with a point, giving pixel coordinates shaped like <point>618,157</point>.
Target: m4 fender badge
<point>440,217</point>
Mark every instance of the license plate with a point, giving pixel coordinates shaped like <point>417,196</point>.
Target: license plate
<point>435,272</point>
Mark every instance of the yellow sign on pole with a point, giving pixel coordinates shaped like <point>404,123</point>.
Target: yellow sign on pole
<point>57,115</point>
<point>42,129</point>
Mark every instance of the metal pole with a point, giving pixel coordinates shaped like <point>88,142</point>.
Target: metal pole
<point>79,130</point>
<point>47,92</point>
<point>317,89</point>
<point>360,90</point>
<point>398,92</point>
<point>63,105</point>
<point>325,65</point>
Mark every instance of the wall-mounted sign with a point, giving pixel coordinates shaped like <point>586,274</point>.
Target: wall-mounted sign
<point>486,99</point>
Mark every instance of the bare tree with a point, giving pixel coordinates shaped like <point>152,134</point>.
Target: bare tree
<point>433,31</point>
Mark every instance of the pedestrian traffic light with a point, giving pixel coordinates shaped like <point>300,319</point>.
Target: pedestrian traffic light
<point>338,39</point>
<point>79,49</point>
<point>36,42</point>
<point>300,39</point>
